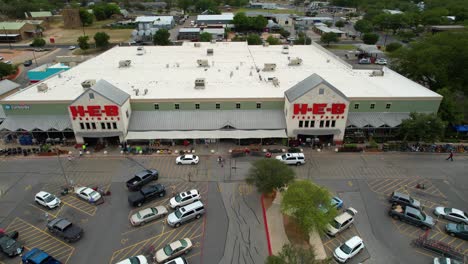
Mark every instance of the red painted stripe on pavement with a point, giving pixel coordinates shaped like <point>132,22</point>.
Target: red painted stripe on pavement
<point>204,226</point>
<point>266,227</point>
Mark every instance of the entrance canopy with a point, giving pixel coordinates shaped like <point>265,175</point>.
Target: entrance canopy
<point>41,122</point>
<point>200,134</point>
<point>361,120</point>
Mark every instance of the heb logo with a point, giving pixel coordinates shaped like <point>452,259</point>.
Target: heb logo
<point>94,110</point>
<point>319,109</point>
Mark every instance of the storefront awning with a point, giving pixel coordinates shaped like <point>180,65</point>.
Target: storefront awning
<point>99,134</point>
<point>200,134</point>
<point>361,120</point>
<point>41,122</point>
<point>316,132</point>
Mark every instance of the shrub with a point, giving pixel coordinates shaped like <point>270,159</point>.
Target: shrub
<point>393,46</point>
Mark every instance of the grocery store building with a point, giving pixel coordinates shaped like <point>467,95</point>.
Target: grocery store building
<point>215,91</point>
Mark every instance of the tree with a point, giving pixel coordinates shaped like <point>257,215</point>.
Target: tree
<point>302,39</point>
<point>257,23</point>
<point>6,69</point>
<point>339,24</point>
<point>370,38</point>
<point>205,37</point>
<point>284,33</point>
<point>104,11</point>
<point>269,174</point>
<point>328,23</point>
<point>422,127</point>
<point>272,40</point>
<point>254,39</point>
<point>450,110</point>
<point>99,12</point>
<point>83,42</point>
<point>363,26</point>
<point>240,21</point>
<point>291,254</point>
<point>86,17</point>
<point>313,215</point>
<point>329,37</point>
<point>161,37</point>
<point>101,39</point>
<point>38,42</point>
<point>184,5</point>
<point>393,46</point>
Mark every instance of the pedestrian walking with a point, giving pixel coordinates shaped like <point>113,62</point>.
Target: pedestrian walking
<point>450,157</point>
<point>81,153</point>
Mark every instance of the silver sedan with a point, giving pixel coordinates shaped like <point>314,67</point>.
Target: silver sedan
<point>147,215</point>
<point>452,214</point>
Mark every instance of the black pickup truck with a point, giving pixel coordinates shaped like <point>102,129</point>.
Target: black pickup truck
<point>141,178</point>
<point>411,215</point>
<point>65,229</point>
<point>9,245</point>
<point>146,193</point>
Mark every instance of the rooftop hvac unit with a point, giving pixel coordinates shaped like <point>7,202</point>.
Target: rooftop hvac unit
<point>124,63</point>
<point>377,73</point>
<point>295,61</point>
<point>42,87</point>
<point>203,63</point>
<point>141,51</point>
<point>269,67</point>
<point>266,44</point>
<point>209,52</point>
<point>197,45</point>
<point>200,83</point>
<point>88,84</point>
<point>275,81</point>
<point>285,49</point>
<point>213,41</point>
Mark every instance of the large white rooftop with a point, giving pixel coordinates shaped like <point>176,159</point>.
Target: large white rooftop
<point>169,72</point>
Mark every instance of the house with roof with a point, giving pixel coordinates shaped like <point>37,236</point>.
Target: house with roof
<point>222,19</point>
<point>16,31</point>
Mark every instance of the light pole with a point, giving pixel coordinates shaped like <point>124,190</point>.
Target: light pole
<point>61,167</point>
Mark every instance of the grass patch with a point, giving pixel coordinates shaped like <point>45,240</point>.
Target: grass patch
<point>342,47</point>
<point>274,11</point>
<point>87,52</point>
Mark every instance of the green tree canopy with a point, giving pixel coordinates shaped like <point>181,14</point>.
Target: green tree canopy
<point>6,69</point>
<point>104,11</point>
<point>161,38</point>
<point>184,5</point>
<point>272,40</point>
<point>422,127</point>
<point>38,42</point>
<point>310,206</point>
<point>302,39</point>
<point>242,22</point>
<point>291,254</point>
<point>363,26</point>
<point>86,17</point>
<point>339,24</point>
<point>269,174</point>
<point>329,37</point>
<point>370,38</point>
<point>83,42</point>
<point>101,39</point>
<point>205,37</point>
<point>393,46</point>
<point>254,39</point>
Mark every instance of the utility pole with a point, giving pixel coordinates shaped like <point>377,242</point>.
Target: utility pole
<point>61,167</point>
<point>9,43</point>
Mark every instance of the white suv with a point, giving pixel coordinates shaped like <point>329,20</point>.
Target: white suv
<point>341,222</point>
<point>184,198</point>
<point>292,158</point>
<point>47,200</point>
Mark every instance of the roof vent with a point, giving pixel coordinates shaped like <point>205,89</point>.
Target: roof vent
<point>269,67</point>
<point>295,61</point>
<point>88,83</point>
<point>203,63</point>
<point>377,73</point>
<point>124,63</point>
<point>209,52</point>
<point>42,87</point>
<point>213,41</point>
<point>145,92</point>
<point>197,45</point>
<point>285,49</point>
<point>266,44</point>
<point>141,51</point>
<point>200,83</point>
<point>275,81</point>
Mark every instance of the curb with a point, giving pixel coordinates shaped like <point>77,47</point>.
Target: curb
<point>266,227</point>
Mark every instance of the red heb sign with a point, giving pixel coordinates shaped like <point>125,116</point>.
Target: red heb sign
<point>94,110</point>
<point>319,109</point>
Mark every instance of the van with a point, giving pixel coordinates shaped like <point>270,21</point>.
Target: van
<point>292,158</point>
<point>184,214</point>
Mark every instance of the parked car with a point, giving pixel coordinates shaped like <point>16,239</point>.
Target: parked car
<point>1,58</point>
<point>142,178</point>
<point>72,47</point>
<point>9,244</point>
<point>341,222</point>
<point>134,260</point>
<point>39,50</point>
<point>446,261</point>
<point>365,61</point>
<point>404,199</point>
<point>452,214</point>
<point>457,230</point>
<point>37,256</point>
<point>179,260</point>
<point>292,158</point>
<point>337,202</point>
<point>349,249</point>
<point>412,216</point>
<point>184,198</point>
<point>381,61</point>
<point>146,194</point>
<point>8,62</point>
<point>27,63</point>
<point>147,215</point>
<point>184,214</point>
<point>47,200</point>
<point>172,250</point>
<point>87,194</point>
<point>65,229</point>
<point>187,159</point>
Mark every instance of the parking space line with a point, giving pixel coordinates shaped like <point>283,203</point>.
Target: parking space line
<point>193,255</point>
<point>460,244</point>
<point>381,183</point>
<point>44,211</point>
<point>170,237</point>
<point>391,185</point>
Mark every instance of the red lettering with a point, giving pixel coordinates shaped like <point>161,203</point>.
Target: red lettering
<point>319,109</point>
<point>300,109</point>
<point>77,111</point>
<point>94,110</point>
<point>338,109</point>
<point>111,110</point>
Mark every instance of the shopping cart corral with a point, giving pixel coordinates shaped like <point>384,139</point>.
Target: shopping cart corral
<point>439,247</point>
